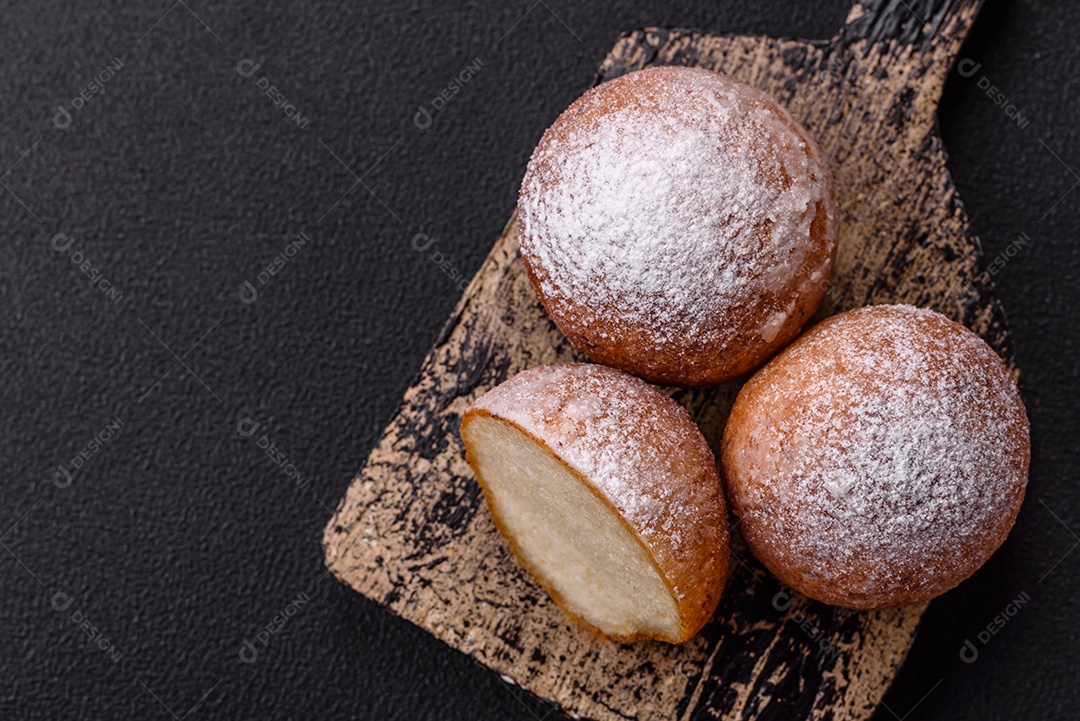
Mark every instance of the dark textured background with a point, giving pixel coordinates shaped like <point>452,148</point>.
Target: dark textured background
<point>180,538</point>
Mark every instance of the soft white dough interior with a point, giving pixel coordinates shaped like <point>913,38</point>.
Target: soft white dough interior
<point>570,537</point>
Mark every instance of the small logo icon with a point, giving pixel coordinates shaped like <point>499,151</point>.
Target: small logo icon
<point>61,601</point>
<point>247,427</point>
<point>62,478</point>
<point>62,118</point>
<point>247,67</point>
<point>248,652</point>
<point>61,242</point>
<point>965,69</point>
<point>782,601</point>
<point>248,293</point>
<point>422,119</point>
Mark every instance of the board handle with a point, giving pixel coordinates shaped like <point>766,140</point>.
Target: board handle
<point>933,28</point>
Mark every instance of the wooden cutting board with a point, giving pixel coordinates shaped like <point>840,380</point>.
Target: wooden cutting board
<point>413,534</point>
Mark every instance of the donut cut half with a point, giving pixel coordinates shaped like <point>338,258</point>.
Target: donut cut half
<point>608,495</point>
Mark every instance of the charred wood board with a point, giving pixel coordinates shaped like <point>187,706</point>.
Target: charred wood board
<point>413,535</point>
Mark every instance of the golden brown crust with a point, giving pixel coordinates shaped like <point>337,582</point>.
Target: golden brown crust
<point>879,460</point>
<point>727,340</point>
<point>692,560</point>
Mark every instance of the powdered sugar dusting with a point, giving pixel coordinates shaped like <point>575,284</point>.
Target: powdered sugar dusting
<point>686,200</point>
<point>887,448</point>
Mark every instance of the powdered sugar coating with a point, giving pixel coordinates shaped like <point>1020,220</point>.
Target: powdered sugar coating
<point>880,459</point>
<point>641,452</point>
<point>673,207</point>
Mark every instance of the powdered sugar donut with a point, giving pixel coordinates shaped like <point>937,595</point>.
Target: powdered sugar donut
<point>879,460</point>
<point>608,493</point>
<point>678,224</point>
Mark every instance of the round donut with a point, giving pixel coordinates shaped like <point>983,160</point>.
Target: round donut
<point>608,494</point>
<point>879,460</point>
<point>678,224</point>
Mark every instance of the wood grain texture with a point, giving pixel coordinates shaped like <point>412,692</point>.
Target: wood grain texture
<point>413,534</point>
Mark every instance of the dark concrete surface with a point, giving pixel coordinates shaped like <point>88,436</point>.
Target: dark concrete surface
<point>177,572</point>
